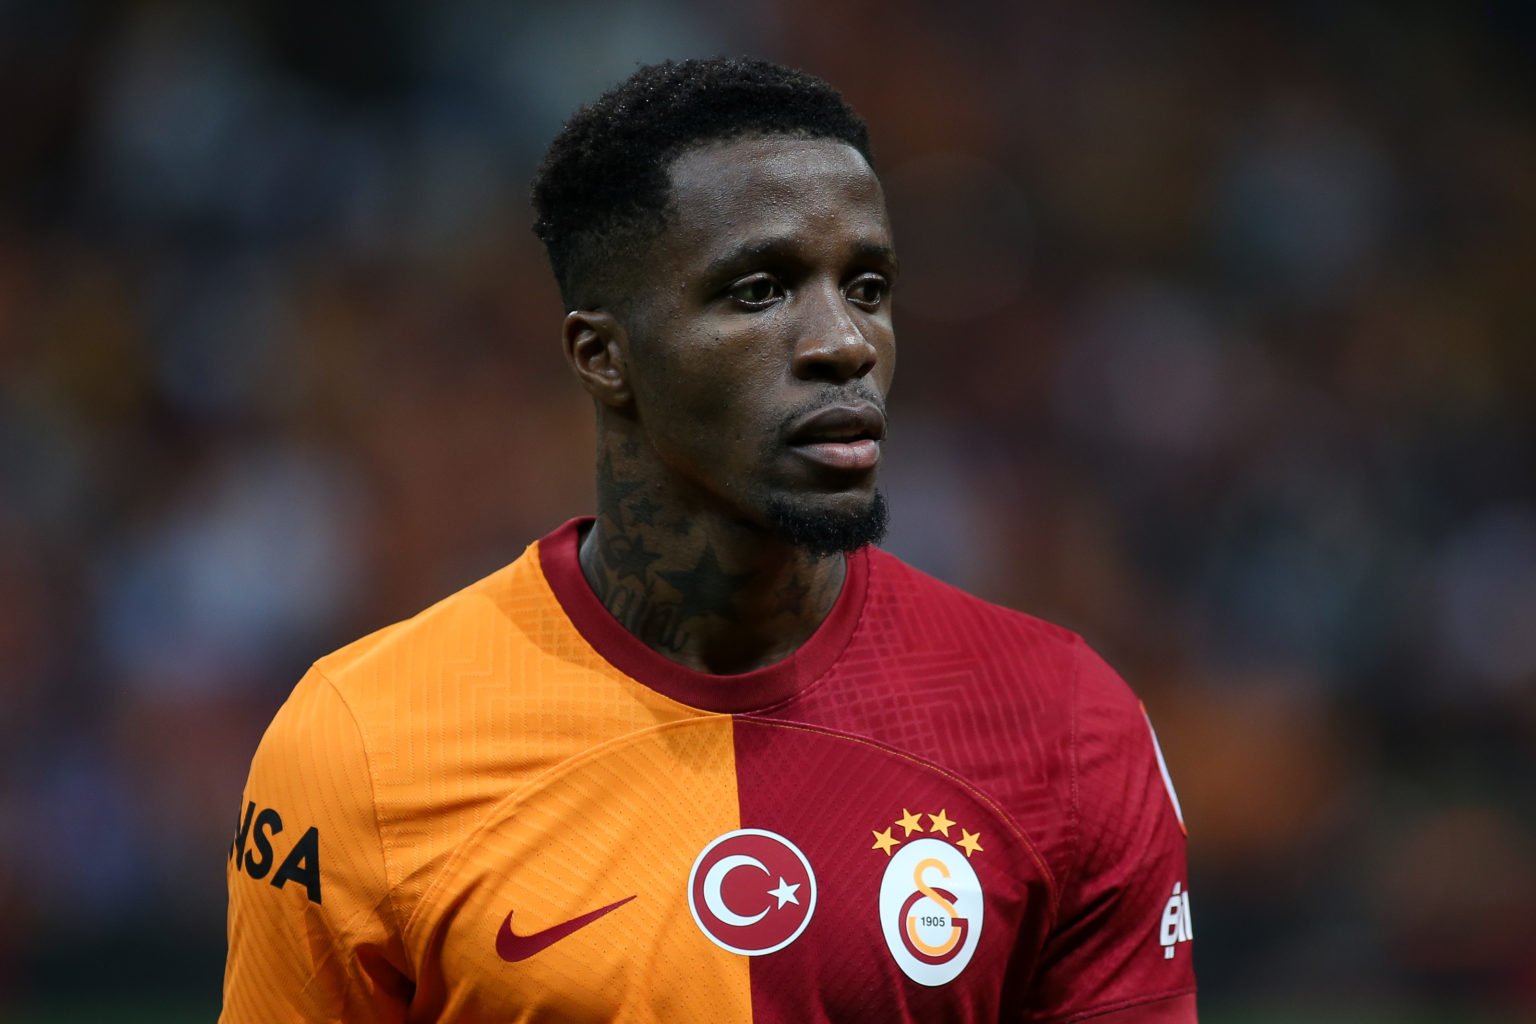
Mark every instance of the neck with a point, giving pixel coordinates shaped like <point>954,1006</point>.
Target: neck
<point>710,594</point>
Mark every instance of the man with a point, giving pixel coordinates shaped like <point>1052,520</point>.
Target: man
<point>710,756</point>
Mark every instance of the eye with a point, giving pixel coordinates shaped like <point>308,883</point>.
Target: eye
<point>756,292</point>
<point>869,291</point>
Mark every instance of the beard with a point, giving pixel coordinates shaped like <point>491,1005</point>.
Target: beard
<point>823,531</point>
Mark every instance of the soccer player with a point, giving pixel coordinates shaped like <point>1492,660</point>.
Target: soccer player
<point>710,756</point>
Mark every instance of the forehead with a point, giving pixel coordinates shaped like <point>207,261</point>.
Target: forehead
<point>817,191</point>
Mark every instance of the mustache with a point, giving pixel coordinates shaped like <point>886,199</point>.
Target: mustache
<point>856,393</point>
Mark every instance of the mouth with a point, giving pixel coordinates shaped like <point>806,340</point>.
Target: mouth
<point>843,437</point>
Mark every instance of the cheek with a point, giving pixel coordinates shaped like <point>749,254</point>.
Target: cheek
<point>716,372</point>
<point>708,399</point>
<point>884,340</point>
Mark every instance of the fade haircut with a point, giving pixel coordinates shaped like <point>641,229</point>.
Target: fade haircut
<point>601,194</point>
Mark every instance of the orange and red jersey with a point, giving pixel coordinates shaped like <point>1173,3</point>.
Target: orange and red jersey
<point>508,808</point>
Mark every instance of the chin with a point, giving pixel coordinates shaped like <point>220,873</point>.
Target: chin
<point>829,525</point>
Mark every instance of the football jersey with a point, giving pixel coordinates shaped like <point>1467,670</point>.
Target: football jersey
<point>509,808</point>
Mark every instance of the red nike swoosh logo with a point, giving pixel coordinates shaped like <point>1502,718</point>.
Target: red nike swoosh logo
<point>512,947</point>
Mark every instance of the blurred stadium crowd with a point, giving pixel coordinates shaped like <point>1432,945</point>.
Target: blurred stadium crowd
<point>1217,346</point>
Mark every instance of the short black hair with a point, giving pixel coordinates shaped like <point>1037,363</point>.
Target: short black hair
<point>602,191</point>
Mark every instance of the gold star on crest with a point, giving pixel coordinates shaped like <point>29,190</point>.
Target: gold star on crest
<point>910,822</point>
<point>970,842</point>
<point>940,823</point>
<point>885,841</point>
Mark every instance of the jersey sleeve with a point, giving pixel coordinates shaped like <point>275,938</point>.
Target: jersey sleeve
<point>1121,947</point>
<point>312,931</point>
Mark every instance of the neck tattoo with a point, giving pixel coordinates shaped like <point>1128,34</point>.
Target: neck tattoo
<point>665,579</point>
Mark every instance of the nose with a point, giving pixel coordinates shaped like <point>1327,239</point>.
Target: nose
<point>832,345</point>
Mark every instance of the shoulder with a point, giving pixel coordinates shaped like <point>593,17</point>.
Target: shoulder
<point>362,739</point>
<point>931,613</point>
<point>1023,707</point>
<point>1043,679</point>
<point>917,594</point>
<point>452,635</point>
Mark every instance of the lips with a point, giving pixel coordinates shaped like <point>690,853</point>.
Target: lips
<point>845,437</point>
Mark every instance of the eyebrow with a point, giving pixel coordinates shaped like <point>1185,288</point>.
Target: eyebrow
<point>785,248</point>
<point>877,252</point>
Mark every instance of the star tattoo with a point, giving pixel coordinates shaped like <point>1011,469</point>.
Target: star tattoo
<point>706,589</point>
<point>627,557</point>
<point>611,491</point>
<point>642,511</point>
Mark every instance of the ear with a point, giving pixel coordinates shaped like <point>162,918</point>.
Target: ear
<point>597,347</point>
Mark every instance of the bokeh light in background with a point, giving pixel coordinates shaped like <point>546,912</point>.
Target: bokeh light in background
<point>1217,346</point>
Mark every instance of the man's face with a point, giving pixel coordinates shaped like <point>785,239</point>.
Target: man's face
<point>761,344</point>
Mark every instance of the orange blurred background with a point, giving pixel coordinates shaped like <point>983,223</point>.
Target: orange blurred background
<point>1217,346</point>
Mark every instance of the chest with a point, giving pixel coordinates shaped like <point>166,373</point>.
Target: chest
<point>732,869</point>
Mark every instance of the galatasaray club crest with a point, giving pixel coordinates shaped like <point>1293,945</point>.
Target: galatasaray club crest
<point>752,891</point>
<point>931,906</point>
